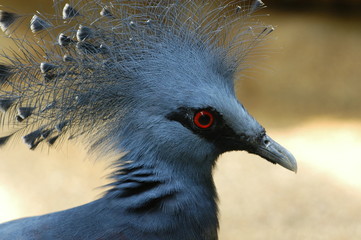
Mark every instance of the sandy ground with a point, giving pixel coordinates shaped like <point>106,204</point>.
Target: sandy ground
<point>257,200</point>
<point>323,201</point>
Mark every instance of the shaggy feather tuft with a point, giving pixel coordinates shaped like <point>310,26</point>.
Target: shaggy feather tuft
<point>6,19</point>
<point>89,64</point>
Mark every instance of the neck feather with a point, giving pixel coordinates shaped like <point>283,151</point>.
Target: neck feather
<point>165,199</point>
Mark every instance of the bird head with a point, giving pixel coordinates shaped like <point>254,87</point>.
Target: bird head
<point>185,107</point>
<point>157,80</point>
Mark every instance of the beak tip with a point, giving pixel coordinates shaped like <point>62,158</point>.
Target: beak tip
<point>275,153</point>
<point>294,168</point>
<point>290,163</point>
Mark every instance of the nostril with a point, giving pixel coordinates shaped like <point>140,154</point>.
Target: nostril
<point>266,142</point>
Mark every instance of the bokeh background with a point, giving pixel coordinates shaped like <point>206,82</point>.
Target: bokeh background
<point>307,95</point>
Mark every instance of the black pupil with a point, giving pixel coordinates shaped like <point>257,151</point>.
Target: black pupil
<point>204,119</point>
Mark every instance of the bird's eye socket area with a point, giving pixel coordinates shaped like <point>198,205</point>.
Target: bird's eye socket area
<point>203,119</point>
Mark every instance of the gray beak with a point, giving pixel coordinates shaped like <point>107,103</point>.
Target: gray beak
<point>275,153</point>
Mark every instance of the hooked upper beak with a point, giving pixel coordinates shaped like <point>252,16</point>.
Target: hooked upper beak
<point>275,153</point>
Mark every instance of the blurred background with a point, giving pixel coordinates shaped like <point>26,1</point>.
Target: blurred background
<point>307,95</point>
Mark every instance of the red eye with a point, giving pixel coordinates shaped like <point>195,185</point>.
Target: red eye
<point>203,119</point>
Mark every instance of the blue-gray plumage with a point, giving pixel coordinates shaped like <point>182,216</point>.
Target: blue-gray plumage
<point>151,80</point>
